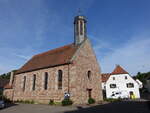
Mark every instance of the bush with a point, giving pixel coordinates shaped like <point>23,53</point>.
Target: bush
<point>25,101</point>
<point>91,101</point>
<point>32,102</point>
<point>113,100</point>
<point>66,102</point>
<point>51,102</point>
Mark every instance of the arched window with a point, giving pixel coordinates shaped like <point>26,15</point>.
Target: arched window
<point>81,28</point>
<point>24,83</point>
<point>46,81</point>
<point>60,73</point>
<point>34,81</point>
<point>89,75</point>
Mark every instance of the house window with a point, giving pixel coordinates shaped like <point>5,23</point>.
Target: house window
<point>113,78</point>
<point>60,73</point>
<point>113,86</point>
<point>24,83</point>
<point>89,75</point>
<point>130,85</point>
<point>126,77</point>
<point>46,81</point>
<point>34,81</point>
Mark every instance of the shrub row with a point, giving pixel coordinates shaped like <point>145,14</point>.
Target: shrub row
<point>26,101</point>
<point>64,102</point>
<point>112,100</point>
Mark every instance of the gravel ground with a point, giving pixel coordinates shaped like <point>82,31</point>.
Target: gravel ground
<point>140,106</point>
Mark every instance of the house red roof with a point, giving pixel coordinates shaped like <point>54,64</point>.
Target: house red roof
<point>55,57</point>
<point>119,70</point>
<point>105,76</point>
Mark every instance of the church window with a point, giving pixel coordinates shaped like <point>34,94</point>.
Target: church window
<point>34,81</point>
<point>89,75</point>
<point>46,81</point>
<point>113,86</point>
<point>130,85</point>
<point>24,83</point>
<point>126,77</point>
<point>60,73</point>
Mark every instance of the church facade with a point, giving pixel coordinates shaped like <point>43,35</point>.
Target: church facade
<point>72,69</point>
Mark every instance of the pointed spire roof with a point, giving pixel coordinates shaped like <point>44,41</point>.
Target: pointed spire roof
<point>119,70</point>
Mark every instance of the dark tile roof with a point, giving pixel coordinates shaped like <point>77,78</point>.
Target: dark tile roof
<point>3,82</point>
<point>105,76</point>
<point>119,70</point>
<point>50,58</point>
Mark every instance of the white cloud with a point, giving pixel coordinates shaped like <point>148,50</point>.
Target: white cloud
<point>133,56</point>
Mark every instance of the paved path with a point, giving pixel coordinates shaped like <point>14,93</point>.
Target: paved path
<point>116,107</point>
<point>31,108</point>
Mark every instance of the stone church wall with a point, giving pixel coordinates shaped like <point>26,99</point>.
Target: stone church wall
<point>84,61</point>
<point>40,94</point>
<point>78,82</point>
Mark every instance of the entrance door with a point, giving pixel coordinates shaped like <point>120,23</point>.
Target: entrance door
<point>89,93</point>
<point>131,94</point>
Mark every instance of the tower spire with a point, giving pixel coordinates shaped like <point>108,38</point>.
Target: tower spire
<point>79,28</point>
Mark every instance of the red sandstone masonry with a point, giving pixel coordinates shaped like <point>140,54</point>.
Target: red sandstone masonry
<point>83,61</point>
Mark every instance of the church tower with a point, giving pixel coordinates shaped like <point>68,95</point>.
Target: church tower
<point>79,29</point>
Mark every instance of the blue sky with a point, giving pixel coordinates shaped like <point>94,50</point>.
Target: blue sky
<point>119,31</point>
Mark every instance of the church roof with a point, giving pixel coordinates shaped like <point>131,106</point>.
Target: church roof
<point>105,76</point>
<point>119,70</point>
<point>55,57</point>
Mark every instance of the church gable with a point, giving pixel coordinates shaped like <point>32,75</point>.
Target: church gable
<point>85,53</point>
<point>85,73</point>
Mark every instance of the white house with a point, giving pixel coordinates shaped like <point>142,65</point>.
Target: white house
<point>119,84</point>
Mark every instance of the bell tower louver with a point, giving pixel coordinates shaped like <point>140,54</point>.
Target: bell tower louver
<point>79,29</point>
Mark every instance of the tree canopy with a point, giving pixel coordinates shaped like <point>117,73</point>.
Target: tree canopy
<point>142,76</point>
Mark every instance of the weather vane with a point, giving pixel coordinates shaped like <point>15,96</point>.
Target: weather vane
<point>79,11</point>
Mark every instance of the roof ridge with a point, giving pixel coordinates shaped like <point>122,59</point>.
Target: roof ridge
<point>51,58</point>
<point>119,70</point>
<point>52,50</point>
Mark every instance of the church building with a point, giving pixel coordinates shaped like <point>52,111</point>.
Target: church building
<point>72,69</point>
